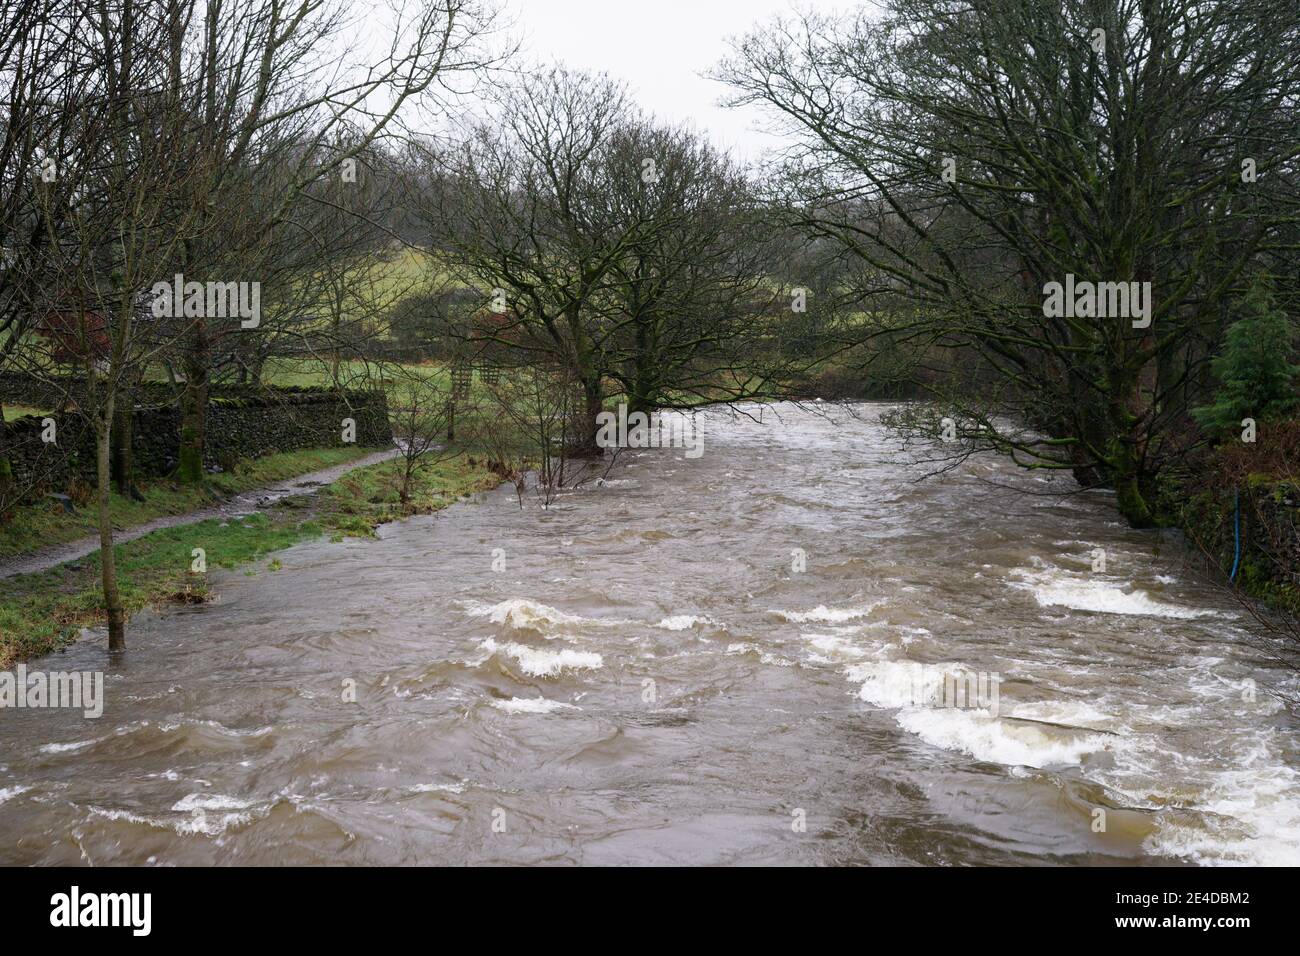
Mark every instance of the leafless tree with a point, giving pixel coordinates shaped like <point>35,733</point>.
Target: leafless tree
<point>969,155</point>
<point>631,253</point>
<point>273,104</point>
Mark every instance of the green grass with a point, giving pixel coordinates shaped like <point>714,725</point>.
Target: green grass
<point>45,524</point>
<point>397,273</point>
<point>41,612</point>
<point>374,283</point>
<point>362,500</point>
<point>18,411</point>
<point>316,373</point>
<point>310,373</point>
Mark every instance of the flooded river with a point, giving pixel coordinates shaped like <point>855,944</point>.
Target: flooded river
<point>710,660</point>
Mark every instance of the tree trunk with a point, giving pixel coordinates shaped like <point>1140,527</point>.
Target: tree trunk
<point>593,397</point>
<point>1130,418</point>
<point>107,562</point>
<point>585,360</point>
<point>6,483</point>
<point>194,410</point>
<point>334,356</point>
<point>1124,463</point>
<point>1132,502</point>
<point>6,469</point>
<point>638,399</point>
<point>123,462</point>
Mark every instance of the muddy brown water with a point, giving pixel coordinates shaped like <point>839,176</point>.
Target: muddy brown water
<point>650,680</point>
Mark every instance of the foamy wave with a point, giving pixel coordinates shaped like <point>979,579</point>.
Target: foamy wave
<point>1071,713</point>
<point>227,731</point>
<point>898,683</point>
<point>1249,815</point>
<point>682,622</point>
<point>208,815</point>
<point>834,649</point>
<point>170,727</point>
<point>438,787</point>
<point>539,662</point>
<point>745,647</point>
<point>8,793</point>
<point>996,740</point>
<point>1062,589</point>
<point>1219,842</point>
<point>912,688</point>
<point>521,614</point>
<point>531,705</point>
<point>199,802</point>
<point>67,748</point>
<point>822,614</point>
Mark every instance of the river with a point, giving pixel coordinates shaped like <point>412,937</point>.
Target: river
<point>708,660</point>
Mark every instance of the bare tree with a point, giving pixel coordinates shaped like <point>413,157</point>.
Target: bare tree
<point>527,430</point>
<point>517,215</point>
<point>692,309</point>
<point>629,252</point>
<point>47,80</point>
<point>420,408</point>
<point>272,106</point>
<point>969,156</point>
<point>100,256</point>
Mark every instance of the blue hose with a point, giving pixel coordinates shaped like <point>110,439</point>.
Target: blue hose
<point>1236,532</point>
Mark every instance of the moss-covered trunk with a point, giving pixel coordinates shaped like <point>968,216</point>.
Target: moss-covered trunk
<point>639,391</point>
<point>588,372</point>
<point>1127,419</point>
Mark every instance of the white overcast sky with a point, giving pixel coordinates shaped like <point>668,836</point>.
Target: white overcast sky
<point>660,48</point>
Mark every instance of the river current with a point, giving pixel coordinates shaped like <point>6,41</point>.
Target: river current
<point>710,660</point>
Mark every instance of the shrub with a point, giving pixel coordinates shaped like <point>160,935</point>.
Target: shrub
<point>1255,372</point>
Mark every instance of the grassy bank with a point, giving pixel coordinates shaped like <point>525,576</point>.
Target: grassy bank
<point>13,412</point>
<point>46,524</point>
<point>41,612</point>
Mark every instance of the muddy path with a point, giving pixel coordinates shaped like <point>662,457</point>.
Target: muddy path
<point>241,504</point>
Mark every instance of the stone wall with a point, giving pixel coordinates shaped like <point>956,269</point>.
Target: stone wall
<point>242,423</point>
<point>37,467</point>
<point>250,423</point>
<point>18,389</point>
<point>60,391</point>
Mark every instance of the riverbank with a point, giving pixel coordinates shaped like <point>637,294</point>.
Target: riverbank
<point>1249,533</point>
<point>41,612</point>
<point>41,526</point>
<point>1239,505</point>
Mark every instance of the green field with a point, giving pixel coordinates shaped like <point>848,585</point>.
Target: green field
<point>18,411</point>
